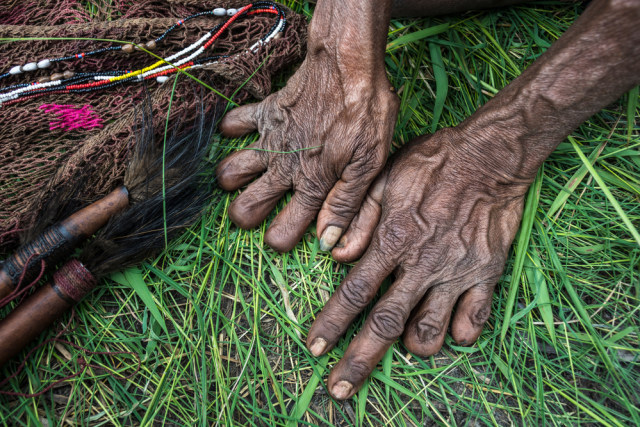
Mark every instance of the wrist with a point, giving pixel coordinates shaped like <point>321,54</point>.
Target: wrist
<point>353,34</point>
<point>587,68</point>
<point>504,148</point>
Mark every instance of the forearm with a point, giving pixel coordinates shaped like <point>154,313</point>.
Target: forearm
<point>412,8</point>
<point>353,34</point>
<point>590,66</point>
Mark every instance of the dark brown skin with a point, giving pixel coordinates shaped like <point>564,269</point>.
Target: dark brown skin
<point>407,8</point>
<point>319,132</point>
<point>327,133</point>
<point>443,214</point>
<point>448,206</point>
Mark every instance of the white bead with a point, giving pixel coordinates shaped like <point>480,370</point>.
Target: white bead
<point>162,79</point>
<point>31,66</point>
<point>231,12</point>
<point>220,11</point>
<point>15,70</point>
<point>45,63</point>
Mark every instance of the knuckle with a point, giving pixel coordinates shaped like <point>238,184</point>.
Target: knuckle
<point>368,161</point>
<point>333,325</point>
<point>358,368</point>
<point>310,196</point>
<point>392,236</point>
<point>429,327</point>
<point>388,322</point>
<point>393,100</point>
<point>269,114</point>
<point>342,204</point>
<point>389,104</point>
<point>480,314</point>
<point>355,294</point>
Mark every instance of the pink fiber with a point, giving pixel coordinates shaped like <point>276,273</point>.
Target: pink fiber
<point>70,117</point>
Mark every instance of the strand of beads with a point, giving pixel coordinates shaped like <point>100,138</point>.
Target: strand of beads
<point>184,59</point>
<point>127,48</point>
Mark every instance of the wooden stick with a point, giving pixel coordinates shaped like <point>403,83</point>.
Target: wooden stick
<point>57,242</point>
<point>27,321</point>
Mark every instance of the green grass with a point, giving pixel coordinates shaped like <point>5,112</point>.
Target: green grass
<point>219,319</point>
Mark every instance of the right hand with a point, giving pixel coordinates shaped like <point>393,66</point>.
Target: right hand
<point>440,219</point>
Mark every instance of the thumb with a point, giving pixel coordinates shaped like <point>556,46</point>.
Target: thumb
<point>342,211</point>
<point>240,121</point>
<point>358,236</point>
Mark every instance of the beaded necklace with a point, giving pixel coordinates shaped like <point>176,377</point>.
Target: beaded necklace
<point>189,57</point>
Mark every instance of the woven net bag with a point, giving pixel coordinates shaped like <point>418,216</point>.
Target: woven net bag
<point>48,142</point>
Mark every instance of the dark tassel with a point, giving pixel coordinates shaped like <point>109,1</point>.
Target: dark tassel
<point>138,232</point>
<point>130,236</point>
<point>160,179</point>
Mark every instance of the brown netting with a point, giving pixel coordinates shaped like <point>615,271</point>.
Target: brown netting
<point>35,159</point>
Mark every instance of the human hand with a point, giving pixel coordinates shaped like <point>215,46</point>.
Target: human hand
<point>326,134</point>
<point>445,221</point>
<point>448,206</point>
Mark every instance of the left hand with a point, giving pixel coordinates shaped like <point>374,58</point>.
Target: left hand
<point>447,218</point>
<point>326,134</point>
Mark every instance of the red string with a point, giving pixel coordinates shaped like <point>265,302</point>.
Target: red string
<point>84,365</point>
<point>257,11</point>
<point>22,292</point>
<point>10,232</point>
<point>226,25</point>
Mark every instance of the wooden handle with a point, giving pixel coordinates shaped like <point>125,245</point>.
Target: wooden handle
<point>27,321</point>
<point>57,242</point>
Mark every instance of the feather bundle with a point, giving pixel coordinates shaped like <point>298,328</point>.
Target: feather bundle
<point>168,192</point>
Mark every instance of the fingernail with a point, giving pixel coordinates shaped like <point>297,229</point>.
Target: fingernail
<point>342,242</point>
<point>341,390</point>
<point>318,346</point>
<point>330,237</point>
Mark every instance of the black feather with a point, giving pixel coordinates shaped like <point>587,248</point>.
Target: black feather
<point>139,231</point>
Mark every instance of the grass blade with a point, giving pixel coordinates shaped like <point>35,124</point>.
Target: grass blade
<point>625,219</point>
<point>528,216</point>
<point>442,83</point>
<point>632,106</point>
<point>133,277</point>
<point>417,35</point>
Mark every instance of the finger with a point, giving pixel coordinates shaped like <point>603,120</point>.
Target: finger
<point>351,297</point>
<point>381,329</point>
<point>241,168</point>
<point>253,205</point>
<point>358,236</point>
<point>289,226</point>
<point>472,312</point>
<point>427,328</point>
<point>240,121</point>
<point>345,198</point>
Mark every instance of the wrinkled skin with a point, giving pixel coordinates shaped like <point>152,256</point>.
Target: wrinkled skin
<point>326,134</point>
<point>442,216</point>
<point>445,228</point>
